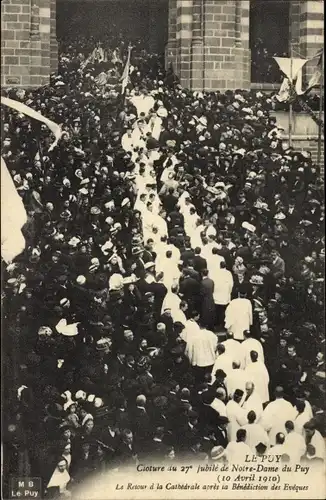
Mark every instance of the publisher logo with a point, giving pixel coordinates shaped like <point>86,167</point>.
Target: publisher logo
<point>25,487</point>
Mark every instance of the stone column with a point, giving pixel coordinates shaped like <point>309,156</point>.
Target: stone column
<point>227,54</point>
<point>183,41</point>
<point>197,52</point>
<point>25,55</point>
<point>15,38</point>
<point>311,32</point>
<point>53,37</point>
<point>171,48</point>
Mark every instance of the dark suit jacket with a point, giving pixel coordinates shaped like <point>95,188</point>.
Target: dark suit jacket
<point>189,288</point>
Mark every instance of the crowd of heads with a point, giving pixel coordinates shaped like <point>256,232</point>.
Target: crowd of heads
<point>103,376</point>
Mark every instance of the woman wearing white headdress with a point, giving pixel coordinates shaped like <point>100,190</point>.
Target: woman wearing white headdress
<point>60,478</point>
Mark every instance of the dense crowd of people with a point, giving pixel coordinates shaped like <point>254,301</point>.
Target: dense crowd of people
<point>169,302</point>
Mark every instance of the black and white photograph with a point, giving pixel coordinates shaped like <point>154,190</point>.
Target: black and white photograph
<point>162,249</point>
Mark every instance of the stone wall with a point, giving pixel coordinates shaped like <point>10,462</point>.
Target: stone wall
<point>25,41</point>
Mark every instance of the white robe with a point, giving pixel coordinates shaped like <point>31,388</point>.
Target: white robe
<point>255,435</point>
<point>301,419</point>
<point>143,103</point>
<point>223,285</point>
<point>258,374</point>
<point>233,349</point>
<point>220,407</point>
<point>237,418</point>
<point>59,479</point>
<point>254,403</point>
<point>295,445</point>
<point>251,345</point>
<point>222,362</point>
<point>201,348</point>
<point>235,380</point>
<point>238,317</point>
<point>274,417</point>
<point>236,452</point>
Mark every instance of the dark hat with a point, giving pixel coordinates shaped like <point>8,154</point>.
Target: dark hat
<point>261,448</point>
<point>152,143</point>
<point>223,420</point>
<point>136,250</point>
<point>220,374</point>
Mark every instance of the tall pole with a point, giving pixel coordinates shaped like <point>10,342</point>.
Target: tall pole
<point>291,83</point>
<point>321,99</point>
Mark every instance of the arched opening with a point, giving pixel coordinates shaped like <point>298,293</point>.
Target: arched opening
<point>269,36</point>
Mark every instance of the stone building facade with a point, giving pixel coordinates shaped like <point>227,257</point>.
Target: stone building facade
<point>208,40</point>
<point>29,50</point>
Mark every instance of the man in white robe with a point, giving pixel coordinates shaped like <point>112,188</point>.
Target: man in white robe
<point>279,448</point>
<point>236,415</point>
<point>218,403</point>
<point>233,348</point>
<point>250,344</point>
<point>143,102</point>
<point>276,414</point>
<point>238,317</point>
<point>236,451</point>
<point>257,373</point>
<point>222,362</point>
<point>314,438</point>
<point>303,416</point>
<point>127,141</point>
<point>252,400</point>
<point>255,432</point>
<point>200,350</point>
<point>294,442</point>
<point>235,379</point>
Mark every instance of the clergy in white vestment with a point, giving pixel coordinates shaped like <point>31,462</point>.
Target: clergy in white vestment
<point>236,451</point>
<point>294,442</point>
<point>218,403</point>
<point>236,415</point>
<point>250,344</point>
<point>223,285</point>
<point>200,350</point>
<point>276,414</point>
<point>233,348</point>
<point>303,416</point>
<point>235,379</point>
<point>140,203</point>
<point>315,439</point>
<point>257,373</point>
<point>171,300</point>
<point>223,361</point>
<point>255,432</point>
<point>127,140</point>
<point>196,239</point>
<point>238,316</point>
<point>252,400</point>
<point>143,102</point>
<point>191,330</point>
<point>279,448</point>
<point>169,267</point>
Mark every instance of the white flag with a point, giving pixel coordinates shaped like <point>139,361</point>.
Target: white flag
<point>290,69</point>
<point>13,213</point>
<point>284,92</point>
<point>126,71</point>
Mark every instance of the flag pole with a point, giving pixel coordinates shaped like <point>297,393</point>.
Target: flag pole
<point>291,84</point>
<point>321,98</point>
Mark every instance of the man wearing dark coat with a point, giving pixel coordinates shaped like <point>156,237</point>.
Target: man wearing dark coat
<point>207,311</point>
